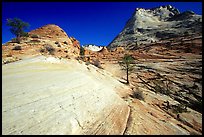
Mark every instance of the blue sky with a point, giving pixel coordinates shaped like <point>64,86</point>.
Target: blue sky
<point>89,22</point>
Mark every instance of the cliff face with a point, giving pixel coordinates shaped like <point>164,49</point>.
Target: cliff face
<point>151,25</point>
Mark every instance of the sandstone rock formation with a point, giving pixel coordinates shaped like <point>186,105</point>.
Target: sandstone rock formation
<point>40,41</point>
<point>51,32</point>
<point>92,47</point>
<point>50,96</point>
<point>152,25</point>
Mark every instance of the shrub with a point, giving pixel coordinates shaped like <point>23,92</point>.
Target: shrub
<point>15,40</point>
<point>65,42</point>
<point>82,51</point>
<point>87,63</point>
<point>56,42</point>
<point>17,48</point>
<point>50,49</point>
<point>96,63</point>
<point>138,94</point>
<point>42,50</point>
<point>34,41</point>
<point>180,108</point>
<point>25,34</point>
<point>34,36</point>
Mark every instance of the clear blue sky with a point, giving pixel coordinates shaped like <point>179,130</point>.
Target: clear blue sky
<point>89,22</point>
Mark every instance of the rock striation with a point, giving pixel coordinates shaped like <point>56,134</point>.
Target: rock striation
<point>152,25</point>
<point>53,96</point>
<point>52,32</point>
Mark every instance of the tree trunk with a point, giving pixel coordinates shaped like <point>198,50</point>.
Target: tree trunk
<point>127,76</point>
<point>18,38</point>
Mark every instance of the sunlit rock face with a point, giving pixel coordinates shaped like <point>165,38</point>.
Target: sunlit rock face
<point>93,47</point>
<point>151,25</point>
<point>46,95</point>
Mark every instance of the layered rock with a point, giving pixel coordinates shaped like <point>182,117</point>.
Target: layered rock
<point>51,32</point>
<point>44,40</point>
<point>151,25</point>
<point>53,96</point>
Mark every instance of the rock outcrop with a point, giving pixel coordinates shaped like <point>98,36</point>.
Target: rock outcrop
<point>51,32</point>
<point>52,96</point>
<point>92,47</point>
<point>48,39</point>
<point>152,25</point>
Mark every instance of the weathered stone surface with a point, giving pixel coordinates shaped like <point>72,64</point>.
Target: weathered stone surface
<point>51,96</point>
<point>52,32</point>
<point>151,25</point>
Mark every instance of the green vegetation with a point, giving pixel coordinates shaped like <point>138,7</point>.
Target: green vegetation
<point>180,108</point>
<point>82,51</point>
<point>50,49</point>
<point>127,63</point>
<point>34,36</point>
<point>17,28</point>
<point>17,48</point>
<point>138,94</point>
<point>96,63</point>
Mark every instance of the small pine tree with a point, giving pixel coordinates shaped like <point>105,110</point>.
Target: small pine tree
<point>127,63</point>
<point>82,52</point>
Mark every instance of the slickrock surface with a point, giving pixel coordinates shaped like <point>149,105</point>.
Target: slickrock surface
<point>50,96</point>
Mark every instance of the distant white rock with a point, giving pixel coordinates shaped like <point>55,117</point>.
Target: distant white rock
<point>93,47</point>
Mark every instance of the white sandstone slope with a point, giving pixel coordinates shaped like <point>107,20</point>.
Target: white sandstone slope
<point>50,96</point>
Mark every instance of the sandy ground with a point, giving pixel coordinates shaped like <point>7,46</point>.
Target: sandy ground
<point>49,96</point>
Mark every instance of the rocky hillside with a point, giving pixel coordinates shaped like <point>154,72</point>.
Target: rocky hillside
<point>152,25</point>
<point>51,32</point>
<point>46,40</point>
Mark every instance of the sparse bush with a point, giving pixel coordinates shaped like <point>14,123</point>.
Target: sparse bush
<point>34,36</point>
<point>56,42</point>
<point>34,41</point>
<point>180,108</point>
<point>96,63</point>
<point>25,34</point>
<point>15,40</point>
<point>138,94</point>
<point>87,63</point>
<point>42,50</point>
<point>50,49</point>
<point>65,42</point>
<point>9,55</point>
<point>82,51</point>
<point>17,48</point>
